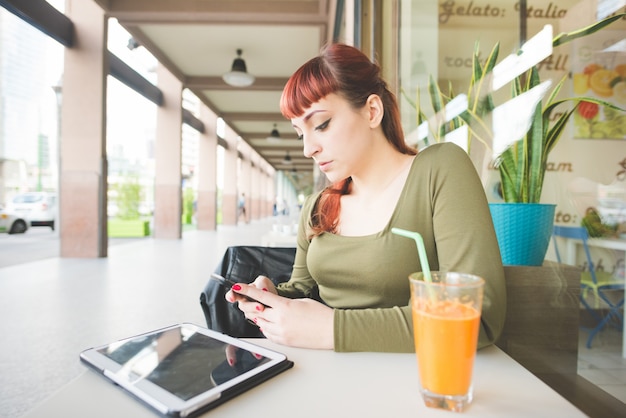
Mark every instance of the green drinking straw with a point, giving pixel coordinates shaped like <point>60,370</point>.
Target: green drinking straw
<point>421,251</point>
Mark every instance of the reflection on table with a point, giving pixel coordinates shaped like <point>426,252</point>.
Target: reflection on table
<point>328,384</point>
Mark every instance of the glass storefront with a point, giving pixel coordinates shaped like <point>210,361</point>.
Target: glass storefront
<point>438,38</point>
<point>586,170</point>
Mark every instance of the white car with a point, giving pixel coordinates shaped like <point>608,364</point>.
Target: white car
<point>12,223</point>
<point>38,208</point>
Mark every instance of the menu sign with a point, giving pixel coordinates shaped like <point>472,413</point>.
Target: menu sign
<point>462,24</point>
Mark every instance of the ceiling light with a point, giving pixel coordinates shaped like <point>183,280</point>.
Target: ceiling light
<point>238,75</point>
<point>274,135</point>
<point>287,159</point>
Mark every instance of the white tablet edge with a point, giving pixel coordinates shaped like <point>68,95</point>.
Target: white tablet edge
<point>160,399</point>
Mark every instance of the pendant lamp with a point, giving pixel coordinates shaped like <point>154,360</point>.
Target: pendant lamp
<point>274,135</point>
<point>238,75</point>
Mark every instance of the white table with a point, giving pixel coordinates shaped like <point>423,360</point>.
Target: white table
<point>605,243</point>
<point>329,384</point>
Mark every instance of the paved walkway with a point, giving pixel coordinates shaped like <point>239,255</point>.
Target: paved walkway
<point>53,308</point>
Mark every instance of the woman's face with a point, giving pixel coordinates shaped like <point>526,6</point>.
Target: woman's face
<point>335,135</point>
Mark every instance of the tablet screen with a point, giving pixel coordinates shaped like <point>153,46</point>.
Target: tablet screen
<point>180,360</point>
<point>185,369</point>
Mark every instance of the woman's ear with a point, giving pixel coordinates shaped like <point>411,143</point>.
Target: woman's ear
<point>375,110</point>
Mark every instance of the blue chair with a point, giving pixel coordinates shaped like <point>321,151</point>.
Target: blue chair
<point>597,282</point>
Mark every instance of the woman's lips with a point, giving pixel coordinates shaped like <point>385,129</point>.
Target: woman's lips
<point>325,165</point>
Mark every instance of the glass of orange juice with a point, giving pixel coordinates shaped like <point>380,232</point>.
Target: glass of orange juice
<point>446,319</point>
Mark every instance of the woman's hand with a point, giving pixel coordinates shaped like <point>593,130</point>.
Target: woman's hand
<point>261,282</point>
<point>231,355</point>
<point>294,322</point>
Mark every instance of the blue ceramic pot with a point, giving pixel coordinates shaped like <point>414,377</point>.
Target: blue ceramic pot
<point>523,231</point>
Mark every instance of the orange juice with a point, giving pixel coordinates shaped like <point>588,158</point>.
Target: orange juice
<point>446,334</point>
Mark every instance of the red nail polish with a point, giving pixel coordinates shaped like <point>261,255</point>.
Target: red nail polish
<point>264,289</point>
<point>231,361</point>
<point>258,307</point>
<point>236,287</point>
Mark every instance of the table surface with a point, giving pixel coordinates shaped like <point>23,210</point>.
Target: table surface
<point>328,384</point>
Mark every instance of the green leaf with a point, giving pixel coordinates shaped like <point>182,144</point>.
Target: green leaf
<point>536,160</point>
<point>562,38</point>
<point>508,174</point>
<point>482,102</point>
<point>554,133</point>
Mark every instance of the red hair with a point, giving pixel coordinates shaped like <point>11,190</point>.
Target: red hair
<point>346,71</point>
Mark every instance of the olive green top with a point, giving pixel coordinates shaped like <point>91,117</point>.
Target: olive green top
<point>365,278</point>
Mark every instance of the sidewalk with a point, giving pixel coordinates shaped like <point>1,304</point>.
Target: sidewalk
<point>52,309</point>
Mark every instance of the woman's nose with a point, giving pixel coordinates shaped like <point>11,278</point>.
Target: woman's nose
<point>310,147</point>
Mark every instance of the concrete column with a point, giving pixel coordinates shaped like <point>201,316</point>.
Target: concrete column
<point>83,187</point>
<point>229,194</point>
<point>207,172</point>
<point>255,190</point>
<point>270,195</point>
<point>262,187</point>
<point>245,184</point>
<point>267,197</point>
<point>168,150</point>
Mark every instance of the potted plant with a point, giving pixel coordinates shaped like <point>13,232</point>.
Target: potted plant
<point>522,163</point>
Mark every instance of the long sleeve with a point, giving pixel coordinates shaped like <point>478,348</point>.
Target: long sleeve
<point>366,278</point>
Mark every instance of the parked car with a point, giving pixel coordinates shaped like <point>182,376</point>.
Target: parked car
<point>38,208</point>
<point>12,223</point>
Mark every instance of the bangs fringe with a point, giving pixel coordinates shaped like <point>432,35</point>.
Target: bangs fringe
<point>308,85</point>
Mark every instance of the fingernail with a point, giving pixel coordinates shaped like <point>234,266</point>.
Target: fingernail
<point>231,361</point>
<point>258,308</point>
<point>236,287</point>
<point>265,289</point>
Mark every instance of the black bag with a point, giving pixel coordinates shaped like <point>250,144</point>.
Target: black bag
<point>243,264</point>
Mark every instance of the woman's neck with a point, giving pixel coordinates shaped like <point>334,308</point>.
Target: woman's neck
<point>382,171</point>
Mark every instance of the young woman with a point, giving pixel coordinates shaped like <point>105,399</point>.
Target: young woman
<point>350,125</point>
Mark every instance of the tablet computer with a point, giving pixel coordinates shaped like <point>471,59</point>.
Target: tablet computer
<point>184,369</point>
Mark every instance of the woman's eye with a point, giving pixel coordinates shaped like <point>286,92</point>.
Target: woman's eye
<point>322,126</point>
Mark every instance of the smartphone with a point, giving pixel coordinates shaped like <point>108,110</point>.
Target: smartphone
<point>228,284</point>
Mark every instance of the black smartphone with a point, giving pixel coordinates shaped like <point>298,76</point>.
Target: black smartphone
<point>228,284</point>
